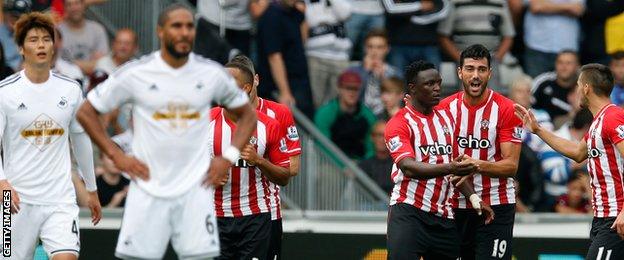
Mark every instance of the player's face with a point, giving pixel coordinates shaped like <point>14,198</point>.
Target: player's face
<point>240,81</point>
<point>474,75</point>
<point>178,33</point>
<point>426,88</point>
<point>617,66</point>
<point>566,66</point>
<point>377,48</point>
<point>38,47</point>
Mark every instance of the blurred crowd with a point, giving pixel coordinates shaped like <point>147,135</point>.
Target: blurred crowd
<point>341,63</point>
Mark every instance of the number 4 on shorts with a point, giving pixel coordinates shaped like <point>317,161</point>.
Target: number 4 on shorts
<point>74,227</point>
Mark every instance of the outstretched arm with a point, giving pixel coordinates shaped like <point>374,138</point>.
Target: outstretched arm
<point>576,151</point>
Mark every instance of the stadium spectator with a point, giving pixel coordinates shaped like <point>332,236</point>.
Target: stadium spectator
<point>379,165</point>
<point>392,93</point>
<point>373,69</point>
<point>229,19</point>
<point>574,200</point>
<point>346,121</point>
<point>112,187</point>
<point>549,28</point>
<point>11,10</point>
<point>123,48</point>
<point>484,22</point>
<point>557,168</point>
<point>412,27</point>
<point>65,67</point>
<point>327,46</point>
<point>520,93</point>
<point>5,70</point>
<point>283,66</point>
<point>617,67</point>
<point>366,15</point>
<point>85,40</point>
<point>593,45</point>
<point>551,89</point>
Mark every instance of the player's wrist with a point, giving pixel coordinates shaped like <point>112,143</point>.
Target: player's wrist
<point>475,200</point>
<point>231,154</point>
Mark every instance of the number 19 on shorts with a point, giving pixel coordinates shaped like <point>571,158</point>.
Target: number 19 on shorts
<point>500,246</point>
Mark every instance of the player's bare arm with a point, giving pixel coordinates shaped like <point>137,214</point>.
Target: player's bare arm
<point>246,124</point>
<point>88,117</point>
<point>618,225</point>
<point>294,165</point>
<point>576,151</point>
<point>276,174</point>
<point>507,167</point>
<point>419,170</point>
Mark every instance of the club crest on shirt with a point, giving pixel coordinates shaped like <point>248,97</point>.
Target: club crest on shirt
<point>394,144</point>
<point>177,115</point>
<point>282,146</point>
<point>42,132</point>
<point>446,130</point>
<point>517,132</point>
<point>620,131</point>
<point>485,124</point>
<point>63,103</point>
<point>292,135</point>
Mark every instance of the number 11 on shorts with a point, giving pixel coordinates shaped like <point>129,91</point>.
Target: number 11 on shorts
<point>499,248</point>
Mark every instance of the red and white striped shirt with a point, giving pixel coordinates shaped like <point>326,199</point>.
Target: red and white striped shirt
<point>428,139</point>
<point>479,131</point>
<point>605,161</point>
<point>282,114</point>
<point>247,190</point>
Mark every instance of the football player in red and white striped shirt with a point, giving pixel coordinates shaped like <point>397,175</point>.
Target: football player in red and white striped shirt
<point>489,134</point>
<point>242,203</point>
<point>604,149</point>
<point>420,141</point>
<point>241,67</point>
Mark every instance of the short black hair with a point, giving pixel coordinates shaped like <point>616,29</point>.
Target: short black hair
<point>599,77</point>
<point>245,61</point>
<point>243,67</point>
<point>477,52</point>
<point>164,14</point>
<point>411,71</point>
<point>582,119</point>
<point>571,52</point>
<point>618,55</point>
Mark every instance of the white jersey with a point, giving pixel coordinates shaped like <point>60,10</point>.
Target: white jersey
<point>170,115</point>
<point>35,120</point>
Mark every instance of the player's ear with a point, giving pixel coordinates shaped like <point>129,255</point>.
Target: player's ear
<point>459,72</point>
<point>21,50</point>
<point>159,31</point>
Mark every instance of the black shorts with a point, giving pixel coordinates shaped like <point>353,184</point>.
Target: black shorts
<point>605,242</point>
<point>413,233</point>
<point>480,241</point>
<point>244,237</point>
<point>275,246</point>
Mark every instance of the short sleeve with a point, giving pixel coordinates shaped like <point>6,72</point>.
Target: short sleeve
<point>111,94</point>
<point>397,137</point>
<point>446,26</point>
<point>507,27</point>
<point>613,127</point>
<point>227,92</point>
<point>268,34</point>
<point>276,146</point>
<point>287,124</point>
<point>74,125</point>
<point>510,126</point>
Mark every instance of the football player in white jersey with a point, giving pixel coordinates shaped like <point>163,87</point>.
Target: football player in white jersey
<point>171,91</point>
<point>37,122</point>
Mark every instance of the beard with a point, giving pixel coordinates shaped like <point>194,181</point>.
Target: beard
<point>584,102</point>
<point>467,85</point>
<point>176,54</point>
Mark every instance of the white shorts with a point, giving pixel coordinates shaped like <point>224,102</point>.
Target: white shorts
<point>150,222</point>
<point>56,226</point>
